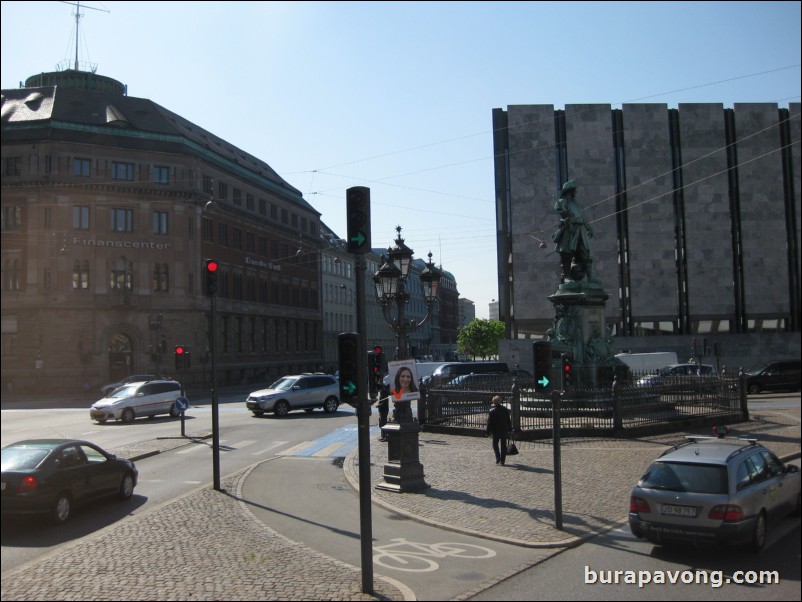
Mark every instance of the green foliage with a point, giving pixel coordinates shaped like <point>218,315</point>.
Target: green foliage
<point>480,338</point>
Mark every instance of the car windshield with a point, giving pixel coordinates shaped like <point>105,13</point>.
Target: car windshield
<point>284,383</point>
<point>689,478</point>
<point>757,369</point>
<point>124,391</point>
<point>23,458</point>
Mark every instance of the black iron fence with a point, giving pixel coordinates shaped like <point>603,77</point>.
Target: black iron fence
<point>642,404</point>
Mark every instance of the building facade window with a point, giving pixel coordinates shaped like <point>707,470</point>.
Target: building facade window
<point>249,202</point>
<point>236,195</point>
<point>160,221</point>
<point>206,227</point>
<point>80,275</point>
<point>222,191</point>
<point>13,166</point>
<point>81,167</point>
<point>11,275</point>
<point>122,220</point>
<point>161,278</point>
<point>161,174</point>
<point>12,218</point>
<point>80,218</point>
<point>222,235</point>
<point>236,239</point>
<point>122,171</point>
<point>122,275</point>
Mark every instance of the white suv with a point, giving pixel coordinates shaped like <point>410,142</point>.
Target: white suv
<point>296,392</point>
<point>138,399</point>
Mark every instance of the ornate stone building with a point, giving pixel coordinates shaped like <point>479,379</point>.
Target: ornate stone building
<point>106,222</point>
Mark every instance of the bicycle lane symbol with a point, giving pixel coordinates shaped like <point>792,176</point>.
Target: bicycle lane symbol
<point>403,555</point>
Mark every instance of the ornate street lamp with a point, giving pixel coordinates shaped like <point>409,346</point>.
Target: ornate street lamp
<point>403,472</point>
<point>390,282</point>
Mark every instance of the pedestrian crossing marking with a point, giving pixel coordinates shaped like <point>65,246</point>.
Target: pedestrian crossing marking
<point>329,450</point>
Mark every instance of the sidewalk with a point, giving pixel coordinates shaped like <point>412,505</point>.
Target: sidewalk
<point>208,545</point>
<point>515,503</point>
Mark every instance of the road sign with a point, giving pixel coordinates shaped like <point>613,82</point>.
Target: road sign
<point>181,404</point>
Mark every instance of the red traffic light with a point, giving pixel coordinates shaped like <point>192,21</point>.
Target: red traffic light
<point>211,265</point>
<point>179,350</point>
<point>377,350</point>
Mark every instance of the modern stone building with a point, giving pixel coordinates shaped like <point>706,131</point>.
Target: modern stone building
<point>696,219</point>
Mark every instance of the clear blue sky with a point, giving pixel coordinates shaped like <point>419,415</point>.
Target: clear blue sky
<point>398,96</point>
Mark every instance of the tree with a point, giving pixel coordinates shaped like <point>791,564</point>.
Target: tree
<point>480,338</point>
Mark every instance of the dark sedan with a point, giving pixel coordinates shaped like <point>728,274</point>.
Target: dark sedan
<point>53,476</point>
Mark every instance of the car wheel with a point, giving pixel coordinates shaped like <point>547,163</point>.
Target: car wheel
<point>127,486</point>
<point>62,508</point>
<point>128,415</point>
<point>282,408</point>
<point>331,405</point>
<point>753,389</point>
<point>758,534</point>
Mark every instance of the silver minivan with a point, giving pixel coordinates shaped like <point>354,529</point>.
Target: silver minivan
<point>138,399</point>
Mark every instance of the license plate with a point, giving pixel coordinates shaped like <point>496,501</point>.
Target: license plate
<point>671,510</point>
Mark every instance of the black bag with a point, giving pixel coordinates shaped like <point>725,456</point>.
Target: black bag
<point>511,449</point>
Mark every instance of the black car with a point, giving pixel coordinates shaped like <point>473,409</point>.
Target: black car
<point>52,476</point>
<point>776,376</point>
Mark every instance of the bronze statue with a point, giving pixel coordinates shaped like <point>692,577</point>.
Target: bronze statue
<point>573,237</point>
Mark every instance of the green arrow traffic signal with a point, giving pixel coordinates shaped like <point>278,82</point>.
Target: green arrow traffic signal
<point>350,387</point>
<point>543,382</point>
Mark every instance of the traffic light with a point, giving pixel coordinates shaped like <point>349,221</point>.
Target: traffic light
<point>375,367</point>
<point>212,268</point>
<point>180,354</point>
<point>568,370</point>
<point>348,349</point>
<point>542,354</point>
<point>357,201</point>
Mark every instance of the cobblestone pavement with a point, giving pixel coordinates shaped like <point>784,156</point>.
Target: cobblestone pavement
<point>219,551</point>
<point>467,487</point>
<point>205,545</point>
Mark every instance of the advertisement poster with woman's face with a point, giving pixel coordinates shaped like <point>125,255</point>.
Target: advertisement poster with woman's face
<point>403,380</point>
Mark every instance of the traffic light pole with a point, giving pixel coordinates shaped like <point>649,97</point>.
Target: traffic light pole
<point>215,415</point>
<point>363,434</point>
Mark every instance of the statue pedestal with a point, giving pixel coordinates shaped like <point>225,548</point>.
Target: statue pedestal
<point>579,324</point>
<point>403,472</point>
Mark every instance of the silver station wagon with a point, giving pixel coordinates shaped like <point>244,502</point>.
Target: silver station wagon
<point>713,491</point>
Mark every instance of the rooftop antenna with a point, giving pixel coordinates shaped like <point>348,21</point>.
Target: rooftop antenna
<point>78,16</point>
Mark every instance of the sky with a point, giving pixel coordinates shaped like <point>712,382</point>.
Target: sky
<point>398,96</point>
